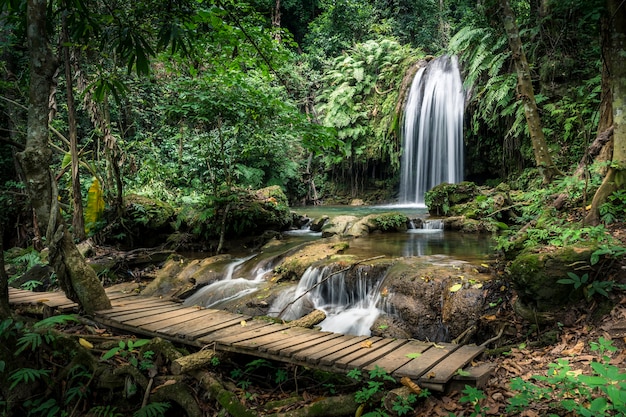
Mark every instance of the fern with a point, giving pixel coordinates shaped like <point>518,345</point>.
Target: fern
<point>27,376</point>
<point>152,410</point>
<point>105,411</point>
<point>55,320</point>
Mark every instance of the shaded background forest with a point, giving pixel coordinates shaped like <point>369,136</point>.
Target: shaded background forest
<point>185,102</point>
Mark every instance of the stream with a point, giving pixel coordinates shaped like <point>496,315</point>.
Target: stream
<point>352,302</point>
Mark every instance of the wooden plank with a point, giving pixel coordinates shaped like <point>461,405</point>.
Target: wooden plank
<point>312,336</point>
<point>36,297</point>
<point>358,356</point>
<point>402,355</point>
<point>429,358</point>
<point>120,297</point>
<point>232,323</point>
<point>132,306</point>
<point>170,319</point>
<point>378,351</point>
<point>270,338</point>
<point>315,353</point>
<point>331,359</point>
<point>446,369</point>
<point>149,313</point>
<point>289,351</point>
<point>343,346</point>
<point>117,313</point>
<point>478,377</point>
<point>207,319</point>
<point>252,330</point>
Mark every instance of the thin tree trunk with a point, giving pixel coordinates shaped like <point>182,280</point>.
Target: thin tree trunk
<point>615,178</point>
<point>527,95</point>
<point>78,222</point>
<point>78,280</point>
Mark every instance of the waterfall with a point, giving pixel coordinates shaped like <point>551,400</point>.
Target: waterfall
<point>432,130</point>
<point>350,308</point>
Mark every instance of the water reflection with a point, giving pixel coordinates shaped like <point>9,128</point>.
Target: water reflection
<point>424,242</point>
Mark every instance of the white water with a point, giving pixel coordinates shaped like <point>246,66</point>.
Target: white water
<point>227,289</point>
<point>432,131</point>
<point>348,310</point>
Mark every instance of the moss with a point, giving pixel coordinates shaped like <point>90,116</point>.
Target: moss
<point>535,275</point>
<point>442,197</point>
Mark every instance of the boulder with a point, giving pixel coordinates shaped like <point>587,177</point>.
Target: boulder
<point>535,275</point>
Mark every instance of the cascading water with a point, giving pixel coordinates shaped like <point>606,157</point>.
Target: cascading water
<point>227,289</point>
<point>350,309</point>
<point>432,131</point>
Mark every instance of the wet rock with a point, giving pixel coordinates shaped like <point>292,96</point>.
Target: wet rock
<point>318,224</point>
<point>339,225</point>
<point>436,301</point>
<point>535,275</point>
<point>179,275</point>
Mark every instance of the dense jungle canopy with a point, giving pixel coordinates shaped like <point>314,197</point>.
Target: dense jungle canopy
<point>119,117</point>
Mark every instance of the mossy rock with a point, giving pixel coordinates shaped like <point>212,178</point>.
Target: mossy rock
<point>535,275</point>
<point>148,212</point>
<point>443,197</point>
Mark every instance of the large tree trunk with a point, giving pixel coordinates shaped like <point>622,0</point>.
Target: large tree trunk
<point>526,93</point>
<point>5,310</point>
<point>615,178</point>
<point>78,222</point>
<point>77,279</point>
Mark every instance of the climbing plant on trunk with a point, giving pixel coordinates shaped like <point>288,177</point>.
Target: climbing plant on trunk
<point>527,95</point>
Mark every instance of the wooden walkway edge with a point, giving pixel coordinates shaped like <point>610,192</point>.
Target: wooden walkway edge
<point>432,365</point>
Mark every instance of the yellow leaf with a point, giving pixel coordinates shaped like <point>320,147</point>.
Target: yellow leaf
<point>477,286</point>
<point>456,287</point>
<point>243,323</point>
<point>95,205</point>
<point>484,265</point>
<point>85,343</point>
<point>366,344</point>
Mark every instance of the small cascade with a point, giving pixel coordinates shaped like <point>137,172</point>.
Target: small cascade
<point>350,307</point>
<point>432,130</point>
<point>433,224</point>
<point>229,288</point>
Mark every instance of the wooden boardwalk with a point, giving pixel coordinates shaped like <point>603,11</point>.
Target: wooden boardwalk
<point>433,366</point>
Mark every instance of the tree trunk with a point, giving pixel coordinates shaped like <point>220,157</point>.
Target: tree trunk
<point>78,222</point>
<point>527,95</point>
<point>615,178</point>
<point>77,279</point>
<point>5,310</point>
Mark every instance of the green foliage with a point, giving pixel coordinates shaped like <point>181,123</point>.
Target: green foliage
<point>474,396</point>
<point>128,350</point>
<point>602,393</point>
<point>371,394</point>
<point>152,410</point>
<point>27,376</point>
<point>105,411</point>
<point>614,209</point>
<point>359,100</point>
<point>590,288</point>
<point>390,221</point>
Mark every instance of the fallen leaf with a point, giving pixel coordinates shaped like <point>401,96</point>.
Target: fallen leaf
<point>366,344</point>
<point>413,355</point>
<point>85,343</point>
<point>243,323</point>
<point>456,287</point>
<point>431,375</point>
<point>576,350</point>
